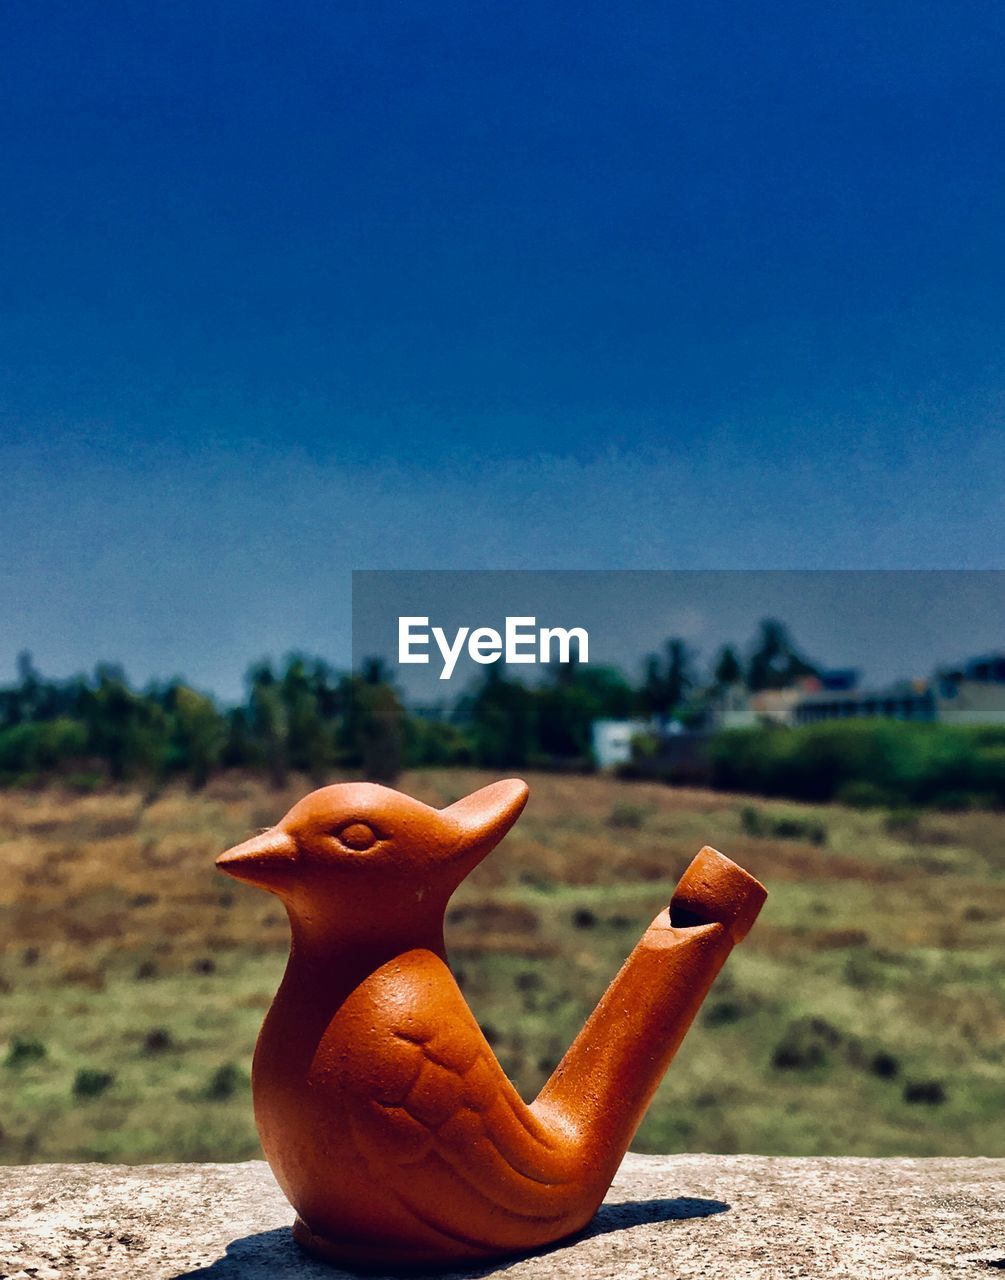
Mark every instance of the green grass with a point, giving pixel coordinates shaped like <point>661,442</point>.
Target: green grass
<point>135,979</point>
<point>165,1103</point>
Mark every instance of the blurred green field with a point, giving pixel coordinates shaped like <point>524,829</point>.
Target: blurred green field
<point>864,1015</point>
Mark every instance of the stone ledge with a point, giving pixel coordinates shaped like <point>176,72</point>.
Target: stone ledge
<point>672,1217</point>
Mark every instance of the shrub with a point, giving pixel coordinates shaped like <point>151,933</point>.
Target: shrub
<point>864,970</point>
<point>864,762</point>
<point>85,782</point>
<point>862,794</point>
<point>782,826</point>
<point>902,821</point>
<point>21,1051</point>
<point>626,817</point>
<point>436,742</point>
<point>159,1040</point>
<point>990,772</point>
<point>808,1043</point>
<point>224,1082</point>
<point>884,1065</point>
<point>41,745</point>
<point>930,1092</point>
<point>730,1009</point>
<point>91,1083</point>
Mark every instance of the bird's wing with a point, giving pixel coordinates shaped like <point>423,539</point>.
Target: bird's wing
<point>440,1125</point>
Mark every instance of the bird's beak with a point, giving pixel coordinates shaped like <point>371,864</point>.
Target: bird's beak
<point>259,859</point>
<point>486,815</point>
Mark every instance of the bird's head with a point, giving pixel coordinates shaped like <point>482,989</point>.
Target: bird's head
<point>358,859</point>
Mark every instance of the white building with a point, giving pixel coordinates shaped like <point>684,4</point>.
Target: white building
<point>611,741</point>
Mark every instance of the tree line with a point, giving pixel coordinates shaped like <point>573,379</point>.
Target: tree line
<point>302,715</point>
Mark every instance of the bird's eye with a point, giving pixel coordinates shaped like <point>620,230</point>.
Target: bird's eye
<point>357,835</point>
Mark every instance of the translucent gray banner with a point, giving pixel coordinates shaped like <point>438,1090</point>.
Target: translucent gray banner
<point>437,631</point>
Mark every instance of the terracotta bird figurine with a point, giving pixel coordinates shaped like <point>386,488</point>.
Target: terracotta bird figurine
<point>382,1110</point>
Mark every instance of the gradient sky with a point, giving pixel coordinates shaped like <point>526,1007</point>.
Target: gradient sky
<point>291,290</point>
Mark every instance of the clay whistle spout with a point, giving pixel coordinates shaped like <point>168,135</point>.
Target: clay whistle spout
<point>715,890</point>
<point>602,1086</point>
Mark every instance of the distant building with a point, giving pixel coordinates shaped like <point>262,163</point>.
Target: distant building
<point>973,693</point>
<point>777,706</point>
<point>671,749</point>
<point>611,741</point>
<point>734,707</point>
<point>839,680</point>
<point>729,708</point>
<point>907,701</point>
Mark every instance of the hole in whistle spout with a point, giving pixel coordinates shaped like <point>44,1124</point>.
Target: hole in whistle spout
<point>684,918</point>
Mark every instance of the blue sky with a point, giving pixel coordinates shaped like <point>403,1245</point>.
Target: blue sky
<point>288,291</point>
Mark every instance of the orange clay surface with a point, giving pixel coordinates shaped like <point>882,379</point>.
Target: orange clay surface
<point>382,1109</point>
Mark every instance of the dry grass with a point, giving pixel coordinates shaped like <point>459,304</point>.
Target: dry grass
<point>124,954</point>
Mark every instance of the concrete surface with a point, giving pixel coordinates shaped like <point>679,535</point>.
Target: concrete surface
<point>672,1217</point>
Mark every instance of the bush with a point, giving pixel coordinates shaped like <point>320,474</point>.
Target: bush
<point>159,1040</point>
<point>224,1082</point>
<point>782,826</point>
<point>20,1052</point>
<point>930,1092</point>
<point>808,1043</point>
<point>865,763</point>
<point>731,1009</point>
<point>39,746</point>
<point>626,817</point>
<point>436,742</point>
<point>85,781</point>
<point>91,1083</point>
<point>862,794</point>
<point>902,822</point>
<point>990,776</point>
<point>380,731</point>
<point>884,1065</point>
